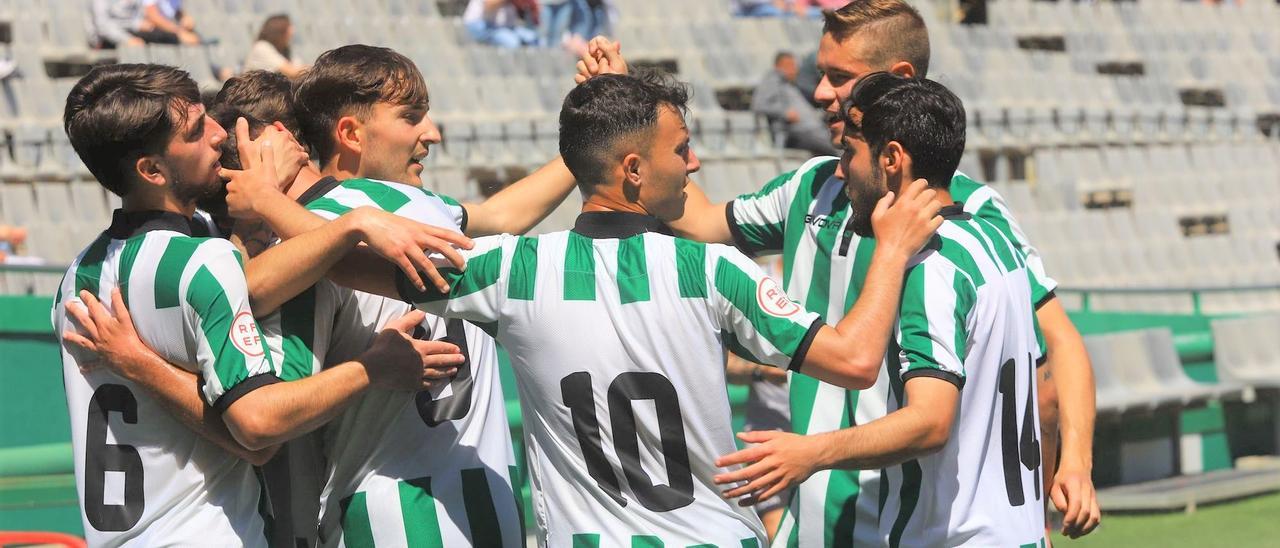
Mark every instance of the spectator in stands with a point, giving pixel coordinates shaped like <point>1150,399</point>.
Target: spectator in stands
<point>790,114</point>
<point>813,8</point>
<point>135,22</point>
<point>272,52</point>
<point>502,23</point>
<point>555,18</point>
<point>11,240</point>
<point>759,8</point>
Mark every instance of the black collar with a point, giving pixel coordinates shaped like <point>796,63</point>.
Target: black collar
<point>617,224</point>
<point>126,224</point>
<point>954,212</point>
<point>318,190</point>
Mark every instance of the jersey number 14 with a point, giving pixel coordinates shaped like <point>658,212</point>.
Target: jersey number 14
<point>576,392</point>
<point>1018,450</point>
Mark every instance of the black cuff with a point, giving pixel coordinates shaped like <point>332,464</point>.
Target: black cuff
<point>739,239</point>
<point>805,343</point>
<point>936,374</point>
<point>246,386</point>
<point>1043,359</point>
<point>1045,300</point>
<point>465,217</point>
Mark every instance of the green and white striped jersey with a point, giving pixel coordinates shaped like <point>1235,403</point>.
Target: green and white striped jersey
<point>143,477</point>
<point>967,317</point>
<point>803,215</point>
<point>427,469</point>
<point>617,333</point>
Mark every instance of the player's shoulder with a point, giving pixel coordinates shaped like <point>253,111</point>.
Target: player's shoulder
<point>971,192</point>
<point>812,173</point>
<point>952,250</point>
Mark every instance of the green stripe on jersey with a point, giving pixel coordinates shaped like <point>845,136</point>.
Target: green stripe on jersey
<point>386,198</point>
<point>825,243</point>
<point>959,256</point>
<point>89,271</point>
<point>691,267</point>
<point>964,304</point>
<point>579,269</point>
<point>740,290</point>
<point>633,273</point>
<point>128,256</point>
<point>328,204</point>
<point>586,540</point>
<point>168,279</point>
<point>646,541</point>
<point>913,300</point>
<point>446,199</point>
<point>809,185</point>
<point>298,329</point>
<point>524,269</point>
<point>421,525</point>
<point>768,236</point>
<point>908,497</point>
<point>481,513</point>
<point>750,543</point>
<point>482,271</point>
<point>972,230</point>
<point>209,300</point>
<point>357,529</point>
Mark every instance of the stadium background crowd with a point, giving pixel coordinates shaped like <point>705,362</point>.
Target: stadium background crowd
<point>1141,162</point>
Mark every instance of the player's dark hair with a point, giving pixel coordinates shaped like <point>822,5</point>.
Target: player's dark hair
<point>261,97</point>
<point>778,57</point>
<point>599,114</point>
<point>920,114</point>
<point>118,113</point>
<point>348,81</point>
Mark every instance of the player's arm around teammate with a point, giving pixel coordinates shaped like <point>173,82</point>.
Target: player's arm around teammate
<point>395,361</point>
<point>319,245</point>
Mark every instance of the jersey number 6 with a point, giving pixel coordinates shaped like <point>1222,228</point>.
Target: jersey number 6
<point>101,457</point>
<point>576,392</point>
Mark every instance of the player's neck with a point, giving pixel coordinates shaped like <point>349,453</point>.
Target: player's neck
<point>306,179</point>
<point>156,199</point>
<point>342,167</point>
<point>942,198</point>
<point>605,199</point>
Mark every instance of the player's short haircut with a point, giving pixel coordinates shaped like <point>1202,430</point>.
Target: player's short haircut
<point>921,115</point>
<point>348,81</point>
<point>891,31</point>
<point>261,97</point>
<point>118,113</point>
<point>609,110</point>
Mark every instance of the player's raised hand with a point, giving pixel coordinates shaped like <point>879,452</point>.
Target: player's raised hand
<point>780,460</point>
<point>290,156</point>
<point>602,56</point>
<point>258,176</point>
<point>112,338</point>
<point>403,241</point>
<point>397,361</point>
<point>905,222</point>
<point>1073,495</point>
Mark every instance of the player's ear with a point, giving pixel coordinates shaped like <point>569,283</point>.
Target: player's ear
<point>904,69</point>
<point>893,159</point>
<point>147,169</point>
<point>350,134</point>
<point>631,177</point>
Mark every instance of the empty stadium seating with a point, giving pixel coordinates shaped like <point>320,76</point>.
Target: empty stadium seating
<point>1122,133</point>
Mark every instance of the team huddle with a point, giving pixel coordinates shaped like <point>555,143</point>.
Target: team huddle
<point>284,339</point>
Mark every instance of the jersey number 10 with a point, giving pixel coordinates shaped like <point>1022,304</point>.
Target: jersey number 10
<point>576,392</point>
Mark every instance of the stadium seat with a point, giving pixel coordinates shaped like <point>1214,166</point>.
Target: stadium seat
<point>1247,350</point>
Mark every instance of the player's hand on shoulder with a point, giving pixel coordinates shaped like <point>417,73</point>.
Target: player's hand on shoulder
<point>111,337</point>
<point>397,361</point>
<point>903,223</point>
<point>778,460</point>
<point>602,56</point>
<point>406,243</point>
